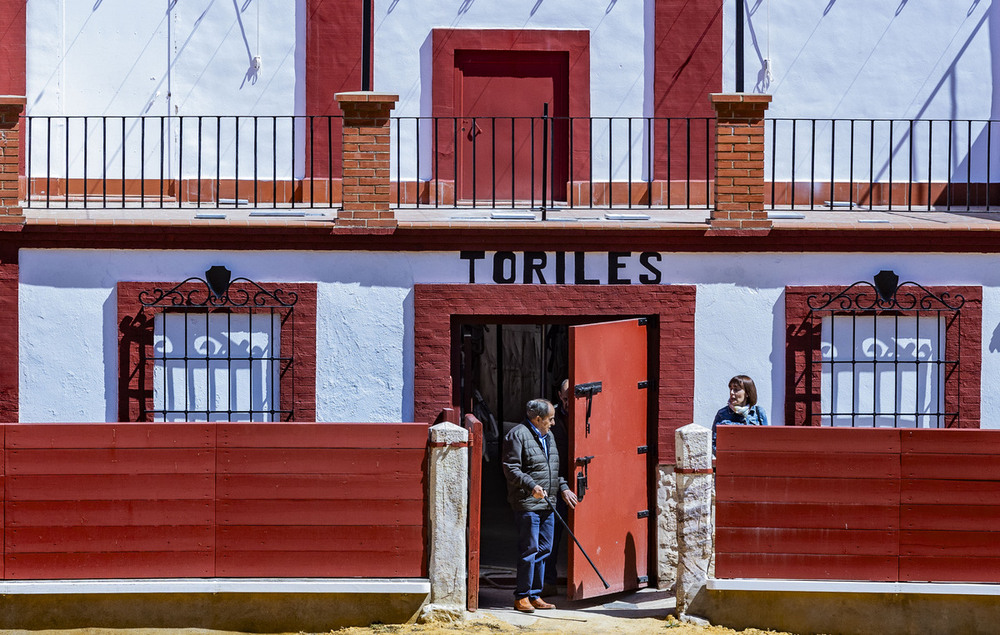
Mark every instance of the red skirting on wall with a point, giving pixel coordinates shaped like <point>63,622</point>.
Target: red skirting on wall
<point>163,500</point>
<point>858,504</point>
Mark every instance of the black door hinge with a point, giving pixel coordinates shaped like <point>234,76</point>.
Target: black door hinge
<point>643,321</point>
<point>642,449</point>
<point>643,385</point>
<point>643,579</point>
<point>643,514</point>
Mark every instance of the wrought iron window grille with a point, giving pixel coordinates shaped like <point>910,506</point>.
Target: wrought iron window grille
<point>896,360</point>
<point>219,293</point>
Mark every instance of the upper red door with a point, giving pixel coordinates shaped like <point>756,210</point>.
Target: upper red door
<point>501,95</point>
<point>607,441</point>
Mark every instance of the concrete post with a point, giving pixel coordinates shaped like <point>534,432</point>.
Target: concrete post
<point>694,511</point>
<point>666,526</point>
<point>448,476</point>
<point>366,188</point>
<point>739,162</point>
<point>11,107</point>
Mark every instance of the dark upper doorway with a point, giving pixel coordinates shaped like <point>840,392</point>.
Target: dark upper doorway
<point>500,96</point>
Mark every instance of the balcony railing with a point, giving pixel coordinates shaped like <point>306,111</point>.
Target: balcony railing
<point>546,163</point>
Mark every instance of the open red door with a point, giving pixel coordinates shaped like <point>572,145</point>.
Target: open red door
<point>607,439</point>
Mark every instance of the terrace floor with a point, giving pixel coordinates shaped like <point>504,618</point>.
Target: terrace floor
<point>591,218</point>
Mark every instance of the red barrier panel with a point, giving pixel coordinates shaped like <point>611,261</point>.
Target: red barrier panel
<point>143,500</point>
<point>858,504</point>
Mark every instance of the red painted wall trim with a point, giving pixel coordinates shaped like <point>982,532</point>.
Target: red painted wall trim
<point>333,65</point>
<point>963,341</point>
<point>438,306</point>
<point>135,356</point>
<point>575,43</point>
<point>13,47</point>
<point>9,317</point>
<point>497,236</point>
<point>446,41</point>
<point>856,504</point>
<point>170,500</point>
<point>687,68</point>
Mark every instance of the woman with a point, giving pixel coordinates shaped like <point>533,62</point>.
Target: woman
<point>742,409</point>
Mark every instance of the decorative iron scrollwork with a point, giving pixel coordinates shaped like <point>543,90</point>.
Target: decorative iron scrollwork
<point>216,294</point>
<point>885,295</point>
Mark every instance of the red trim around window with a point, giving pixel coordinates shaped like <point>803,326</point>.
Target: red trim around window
<point>9,369</point>
<point>437,307</point>
<point>135,351</point>
<point>963,341</point>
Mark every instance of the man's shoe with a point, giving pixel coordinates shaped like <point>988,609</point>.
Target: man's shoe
<point>539,603</point>
<point>524,605</point>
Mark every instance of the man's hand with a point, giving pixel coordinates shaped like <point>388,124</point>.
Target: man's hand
<point>538,492</point>
<point>570,498</point>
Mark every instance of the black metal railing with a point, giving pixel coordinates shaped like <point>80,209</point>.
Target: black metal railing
<point>200,161</point>
<point>546,163</point>
<point>551,163</point>
<point>911,164</point>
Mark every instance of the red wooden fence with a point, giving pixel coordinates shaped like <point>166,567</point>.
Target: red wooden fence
<point>137,500</point>
<point>858,504</point>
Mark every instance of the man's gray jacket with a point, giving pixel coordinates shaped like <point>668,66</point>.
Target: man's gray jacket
<point>525,465</point>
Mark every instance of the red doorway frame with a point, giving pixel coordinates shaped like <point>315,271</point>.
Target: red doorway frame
<point>438,308</point>
<point>445,42</point>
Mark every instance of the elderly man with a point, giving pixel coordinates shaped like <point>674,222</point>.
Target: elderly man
<point>531,466</point>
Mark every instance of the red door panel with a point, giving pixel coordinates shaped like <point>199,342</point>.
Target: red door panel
<point>501,97</point>
<point>607,521</point>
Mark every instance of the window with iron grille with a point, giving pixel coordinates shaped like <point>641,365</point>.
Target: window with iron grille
<point>218,366</point>
<point>214,350</point>
<point>883,355</point>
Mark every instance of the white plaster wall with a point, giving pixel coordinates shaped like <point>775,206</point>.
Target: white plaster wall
<point>121,58</point>
<point>875,60</point>
<point>621,43</point>
<point>68,311</point>
<point>68,342</point>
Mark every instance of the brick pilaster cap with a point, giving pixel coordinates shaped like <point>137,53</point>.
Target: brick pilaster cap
<point>739,98</point>
<point>366,96</point>
<point>13,100</point>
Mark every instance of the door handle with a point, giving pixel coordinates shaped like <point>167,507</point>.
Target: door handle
<point>474,132</point>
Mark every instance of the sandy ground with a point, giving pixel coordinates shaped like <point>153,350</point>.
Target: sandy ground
<point>486,623</point>
<point>479,623</point>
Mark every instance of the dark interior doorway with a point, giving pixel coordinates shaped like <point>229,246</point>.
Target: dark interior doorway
<point>502,366</point>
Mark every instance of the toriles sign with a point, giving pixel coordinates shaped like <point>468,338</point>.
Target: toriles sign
<point>561,267</point>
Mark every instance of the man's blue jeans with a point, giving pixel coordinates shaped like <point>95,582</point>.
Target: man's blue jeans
<point>534,542</point>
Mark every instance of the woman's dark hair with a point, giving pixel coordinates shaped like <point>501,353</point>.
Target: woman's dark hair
<point>744,382</point>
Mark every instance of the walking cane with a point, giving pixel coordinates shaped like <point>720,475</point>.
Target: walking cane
<point>570,532</point>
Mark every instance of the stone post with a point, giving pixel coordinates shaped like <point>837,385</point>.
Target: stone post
<point>694,511</point>
<point>739,162</point>
<point>666,526</point>
<point>11,107</point>
<point>366,188</point>
<point>448,483</point>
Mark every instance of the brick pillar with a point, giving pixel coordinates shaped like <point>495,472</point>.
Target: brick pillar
<point>11,107</point>
<point>739,162</point>
<point>366,161</point>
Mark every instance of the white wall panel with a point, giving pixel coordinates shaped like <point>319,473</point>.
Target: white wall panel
<point>68,332</point>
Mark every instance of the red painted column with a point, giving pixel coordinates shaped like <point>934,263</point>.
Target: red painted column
<point>11,108</point>
<point>739,162</point>
<point>366,161</point>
